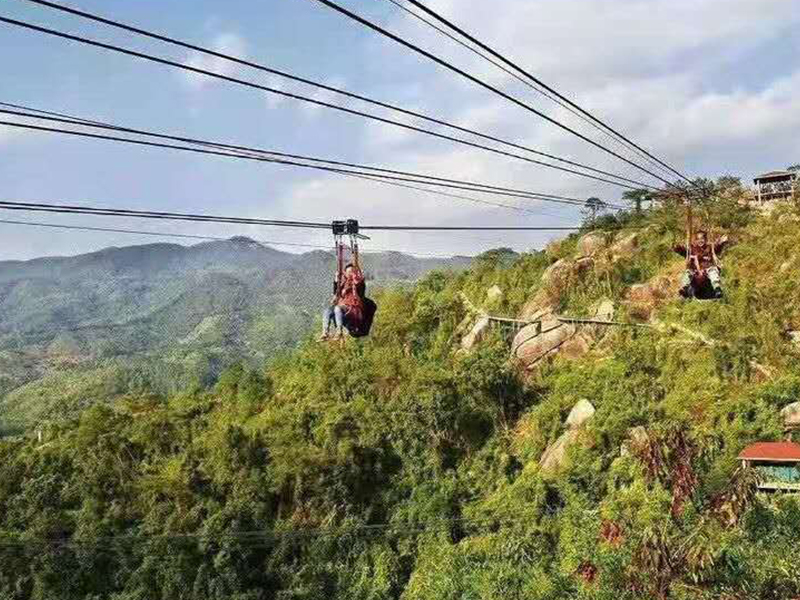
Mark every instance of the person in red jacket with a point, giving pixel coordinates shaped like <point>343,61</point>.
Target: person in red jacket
<point>347,305</point>
<point>702,262</point>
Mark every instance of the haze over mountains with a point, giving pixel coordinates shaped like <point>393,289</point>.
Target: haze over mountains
<point>161,315</point>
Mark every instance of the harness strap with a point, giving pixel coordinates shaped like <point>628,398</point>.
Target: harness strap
<point>354,252</point>
<point>339,264</point>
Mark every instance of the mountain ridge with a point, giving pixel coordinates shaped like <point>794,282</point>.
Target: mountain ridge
<point>248,299</point>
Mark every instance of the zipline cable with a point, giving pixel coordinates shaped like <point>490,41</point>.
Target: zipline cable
<point>168,216</point>
<point>114,212</point>
<point>254,536</point>
<point>167,234</point>
<point>72,120</point>
<point>272,71</point>
<point>538,81</point>
<point>467,228</point>
<point>462,197</point>
<point>487,86</point>
<point>377,172</point>
<point>529,84</point>
<point>318,102</point>
<point>259,151</point>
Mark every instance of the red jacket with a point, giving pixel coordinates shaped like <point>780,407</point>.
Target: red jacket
<point>350,297</point>
<point>704,253</point>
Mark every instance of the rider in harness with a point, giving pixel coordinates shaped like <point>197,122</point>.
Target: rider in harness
<point>702,266</point>
<point>349,308</point>
<point>347,304</point>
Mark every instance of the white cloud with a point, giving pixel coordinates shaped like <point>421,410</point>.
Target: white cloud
<point>271,100</point>
<point>657,70</point>
<point>595,39</point>
<point>737,117</point>
<point>224,43</point>
<point>642,65</point>
<point>384,135</point>
<point>320,95</point>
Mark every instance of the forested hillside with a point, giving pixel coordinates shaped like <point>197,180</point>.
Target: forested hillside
<point>158,318</point>
<point>419,464</point>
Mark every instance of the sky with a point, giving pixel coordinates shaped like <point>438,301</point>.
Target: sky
<point>711,86</point>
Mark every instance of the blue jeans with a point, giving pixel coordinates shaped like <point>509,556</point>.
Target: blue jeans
<point>332,314</point>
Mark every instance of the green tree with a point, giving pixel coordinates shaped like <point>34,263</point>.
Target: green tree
<point>637,198</point>
<point>592,209</point>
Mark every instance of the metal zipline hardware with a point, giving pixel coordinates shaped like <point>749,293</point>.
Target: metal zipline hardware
<point>341,230</point>
<point>349,227</point>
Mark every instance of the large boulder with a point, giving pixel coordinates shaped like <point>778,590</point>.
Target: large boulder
<point>583,264</point>
<point>549,336</point>
<point>476,334</point>
<point>540,340</point>
<point>537,307</point>
<point>577,345</point>
<point>644,298</point>
<point>591,243</point>
<point>580,414</point>
<point>557,273</point>
<point>791,415</point>
<point>624,246</point>
<point>555,456</point>
<point>604,310</point>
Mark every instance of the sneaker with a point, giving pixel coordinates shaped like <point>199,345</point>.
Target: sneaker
<point>687,292</point>
<point>718,293</point>
<point>323,338</point>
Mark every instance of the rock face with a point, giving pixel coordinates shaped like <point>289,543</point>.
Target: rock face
<point>537,307</point>
<point>624,246</point>
<point>580,414</point>
<point>644,298</point>
<point>554,457</point>
<point>557,273</point>
<point>550,336</point>
<point>558,276</point>
<point>591,243</point>
<point>604,310</point>
<point>539,340</point>
<point>584,264</point>
<point>476,334</point>
<point>791,415</point>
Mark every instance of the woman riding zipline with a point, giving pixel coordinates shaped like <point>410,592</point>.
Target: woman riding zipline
<point>349,307</point>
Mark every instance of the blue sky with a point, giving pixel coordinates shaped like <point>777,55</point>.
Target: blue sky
<point>713,86</point>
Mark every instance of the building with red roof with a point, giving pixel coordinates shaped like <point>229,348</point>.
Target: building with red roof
<point>778,463</point>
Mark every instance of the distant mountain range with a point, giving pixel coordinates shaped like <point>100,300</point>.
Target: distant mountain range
<point>160,315</point>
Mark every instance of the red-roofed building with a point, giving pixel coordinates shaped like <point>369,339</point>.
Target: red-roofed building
<point>777,462</point>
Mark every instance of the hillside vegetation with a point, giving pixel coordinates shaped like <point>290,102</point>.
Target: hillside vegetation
<point>403,467</point>
<point>159,317</point>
